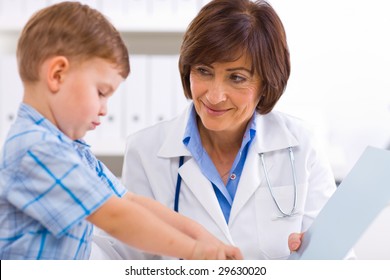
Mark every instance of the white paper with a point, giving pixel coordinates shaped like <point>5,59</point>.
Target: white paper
<point>360,197</point>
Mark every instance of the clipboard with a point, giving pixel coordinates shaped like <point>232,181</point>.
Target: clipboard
<point>358,200</point>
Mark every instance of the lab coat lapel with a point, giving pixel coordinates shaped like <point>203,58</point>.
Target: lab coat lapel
<point>190,173</point>
<point>272,133</point>
<point>203,191</point>
<point>250,181</point>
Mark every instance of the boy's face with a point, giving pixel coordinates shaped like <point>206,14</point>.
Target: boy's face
<point>83,95</point>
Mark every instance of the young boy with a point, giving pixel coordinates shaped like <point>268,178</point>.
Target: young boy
<point>52,189</point>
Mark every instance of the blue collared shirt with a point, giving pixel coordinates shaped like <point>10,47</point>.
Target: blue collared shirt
<point>225,194</point>
<point>49,184</point>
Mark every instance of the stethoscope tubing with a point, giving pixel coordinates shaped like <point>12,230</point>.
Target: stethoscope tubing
<point>292,212</point>
<point>283,214</point>
<point>178,187</point>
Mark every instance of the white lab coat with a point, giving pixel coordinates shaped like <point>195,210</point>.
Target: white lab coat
<point>151,168</point>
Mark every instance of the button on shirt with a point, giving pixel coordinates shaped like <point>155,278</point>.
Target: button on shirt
<point>49,184</point>
<point>225,194</point>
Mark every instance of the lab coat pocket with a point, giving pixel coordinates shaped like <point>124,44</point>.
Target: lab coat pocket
<point>273,229</point>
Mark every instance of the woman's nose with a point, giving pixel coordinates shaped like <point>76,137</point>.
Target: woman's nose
<point>216,93</point>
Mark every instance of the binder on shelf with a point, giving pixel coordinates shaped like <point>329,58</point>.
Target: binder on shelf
<point>11,93</point>
<point>180,102</point>
<point>109,137</point>
<point>113,10</point>
<point>11,16</point>
<point>162,9</point>
<point>137,10</point>
<point>136,96</point>
<point>164,75</point>
<point>186,9</point>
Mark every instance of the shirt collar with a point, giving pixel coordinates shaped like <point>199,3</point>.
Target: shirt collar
<point>191,136</point>
<point>191,133</point>
<point>26,111</point>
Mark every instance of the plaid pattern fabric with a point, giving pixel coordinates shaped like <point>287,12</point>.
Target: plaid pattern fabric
<point>49,184</point>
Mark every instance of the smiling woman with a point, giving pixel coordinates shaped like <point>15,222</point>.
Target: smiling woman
<point>213,163</point>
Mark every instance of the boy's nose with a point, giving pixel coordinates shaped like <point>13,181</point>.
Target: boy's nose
<point>103,109</point>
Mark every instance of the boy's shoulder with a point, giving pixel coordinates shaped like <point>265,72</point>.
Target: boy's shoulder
<point>30,127</point>
<point>25,136</point>
<point>27,132</point>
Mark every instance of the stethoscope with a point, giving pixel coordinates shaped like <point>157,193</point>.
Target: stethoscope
<point>292,211</point>
<point>283,214</point>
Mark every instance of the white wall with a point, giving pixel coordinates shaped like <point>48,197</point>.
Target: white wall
<point>340,81</point>
<point>340,74</point>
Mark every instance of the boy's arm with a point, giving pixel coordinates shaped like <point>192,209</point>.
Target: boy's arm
<point>184,224</point>
<point>140,228</point>
<point>180,222</point>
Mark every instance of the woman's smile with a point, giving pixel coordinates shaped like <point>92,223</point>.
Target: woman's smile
<point>214,111</point>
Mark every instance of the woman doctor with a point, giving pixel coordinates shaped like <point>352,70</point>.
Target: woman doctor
<point>250,175</point>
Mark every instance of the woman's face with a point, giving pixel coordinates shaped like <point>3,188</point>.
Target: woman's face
<point>225,94</point>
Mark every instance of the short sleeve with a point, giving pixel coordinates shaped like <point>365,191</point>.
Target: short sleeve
<point>55,187</point>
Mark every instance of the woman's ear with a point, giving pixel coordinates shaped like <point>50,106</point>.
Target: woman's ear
<point>57,68</point>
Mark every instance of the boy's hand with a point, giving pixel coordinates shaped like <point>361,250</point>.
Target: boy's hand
<point>210,251</point>
<point>233,253</point>
<point>229,252</point>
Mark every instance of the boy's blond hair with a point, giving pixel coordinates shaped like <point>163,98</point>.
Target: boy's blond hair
<point>73,30</point>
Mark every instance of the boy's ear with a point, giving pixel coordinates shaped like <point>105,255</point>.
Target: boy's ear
<point>57,68</point>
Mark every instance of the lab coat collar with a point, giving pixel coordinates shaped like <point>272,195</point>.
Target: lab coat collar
<point>173,144</point>
<point>272,134</point>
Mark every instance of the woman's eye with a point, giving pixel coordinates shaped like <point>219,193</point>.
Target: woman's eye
<point>237,78</point>
<point>202,71</point>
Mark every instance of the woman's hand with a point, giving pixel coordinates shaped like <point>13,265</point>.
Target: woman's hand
<point>295,241</point>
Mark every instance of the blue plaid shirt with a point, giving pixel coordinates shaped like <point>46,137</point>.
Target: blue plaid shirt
<point>225,194</point>
<point>49,184</point>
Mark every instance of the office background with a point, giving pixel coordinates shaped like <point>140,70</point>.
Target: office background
<point>340,79</point>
